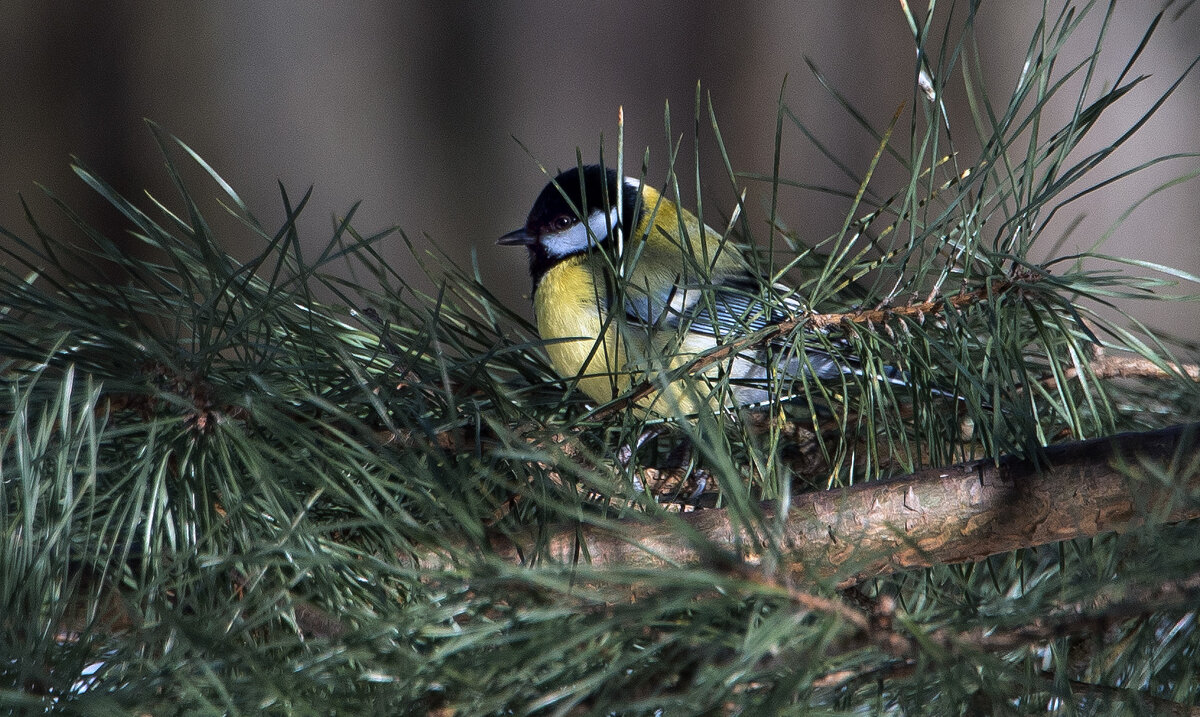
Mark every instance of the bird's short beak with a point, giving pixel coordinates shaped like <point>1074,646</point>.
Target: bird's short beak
<point>519,237</point>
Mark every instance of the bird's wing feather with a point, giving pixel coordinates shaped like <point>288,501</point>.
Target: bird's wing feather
<point>739,306</point>
<point>734,307</point>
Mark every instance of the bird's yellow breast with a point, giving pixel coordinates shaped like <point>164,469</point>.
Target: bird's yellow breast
<point>570,316</point>
<point>608,357</point>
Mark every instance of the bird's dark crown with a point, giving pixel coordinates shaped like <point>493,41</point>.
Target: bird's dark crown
<point>577,194</point>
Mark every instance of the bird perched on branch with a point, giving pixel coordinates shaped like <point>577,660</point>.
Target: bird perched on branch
<point>629,289</point>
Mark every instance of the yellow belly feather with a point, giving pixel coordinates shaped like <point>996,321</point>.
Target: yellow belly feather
<point>606,361</point>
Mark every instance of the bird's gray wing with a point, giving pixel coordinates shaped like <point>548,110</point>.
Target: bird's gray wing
<point>734,307</point>
<point>737,307</point>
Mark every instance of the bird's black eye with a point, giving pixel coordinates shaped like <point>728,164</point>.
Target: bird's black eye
<point>562,221</point>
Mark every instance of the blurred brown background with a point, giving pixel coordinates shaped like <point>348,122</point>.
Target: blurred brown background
<point>414,107</point>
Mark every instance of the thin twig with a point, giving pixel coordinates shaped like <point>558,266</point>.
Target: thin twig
<point>1107,366</point>
<point>817,322</point>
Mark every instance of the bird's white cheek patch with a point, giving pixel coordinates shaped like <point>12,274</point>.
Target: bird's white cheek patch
<point>578,236</point>
<point>633,185</point>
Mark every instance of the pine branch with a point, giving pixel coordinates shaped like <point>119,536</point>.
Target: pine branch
<point>956,514</point>
<point>961,513</point>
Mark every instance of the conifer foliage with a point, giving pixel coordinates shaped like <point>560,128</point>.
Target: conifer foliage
<point>299,484</point>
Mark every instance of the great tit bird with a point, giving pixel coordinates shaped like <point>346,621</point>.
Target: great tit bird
<point>629,287</point>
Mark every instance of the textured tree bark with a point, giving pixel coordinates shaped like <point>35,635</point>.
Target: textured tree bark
<point>961,513</point>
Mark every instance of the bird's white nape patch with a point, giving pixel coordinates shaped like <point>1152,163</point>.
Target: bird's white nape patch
<point>580,236</point>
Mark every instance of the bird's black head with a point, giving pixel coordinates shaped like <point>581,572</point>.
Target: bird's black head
<point>574,213</point>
